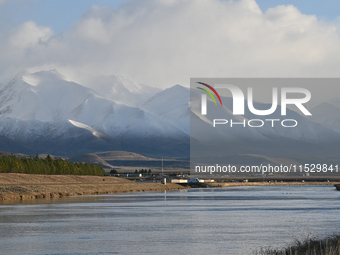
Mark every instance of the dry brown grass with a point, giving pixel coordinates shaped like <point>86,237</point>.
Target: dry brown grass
<point>14,186</point>
<point>311,246</point>
<point>14,179</point>
<point>24,186</point>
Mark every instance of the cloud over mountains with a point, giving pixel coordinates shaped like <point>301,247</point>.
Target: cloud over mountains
<point>165,42</point>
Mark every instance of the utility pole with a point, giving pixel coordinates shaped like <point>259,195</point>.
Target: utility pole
<point>164,179</point>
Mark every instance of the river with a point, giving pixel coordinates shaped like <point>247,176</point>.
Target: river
<point>235,220</point>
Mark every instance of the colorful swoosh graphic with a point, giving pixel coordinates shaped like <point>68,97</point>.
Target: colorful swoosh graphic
<point>212,89</point>
<point>209,94</point>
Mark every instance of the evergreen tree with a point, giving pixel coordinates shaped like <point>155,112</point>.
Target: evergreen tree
<point>13,164</point>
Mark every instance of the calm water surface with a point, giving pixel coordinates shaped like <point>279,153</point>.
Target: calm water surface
<point>235,220</point>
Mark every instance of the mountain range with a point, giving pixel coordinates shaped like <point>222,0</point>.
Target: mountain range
<point>314,139</point>
<point>45,112</point>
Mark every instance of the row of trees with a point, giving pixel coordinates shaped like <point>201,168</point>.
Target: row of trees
<point>143,171</point>
<point>36,165</point>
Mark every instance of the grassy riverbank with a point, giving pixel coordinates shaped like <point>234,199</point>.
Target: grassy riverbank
<point>311,246</point>
<point>15,186</point>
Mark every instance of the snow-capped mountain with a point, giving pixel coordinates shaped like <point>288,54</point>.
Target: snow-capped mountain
<point>171,105</point>
<point>122,90</point>
<point>48,97</point>
<point>307,138</point>
<point>327,114</point>
<point>45,112</point>
<point>45,106</point>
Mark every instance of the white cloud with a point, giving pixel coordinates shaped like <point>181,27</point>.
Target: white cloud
<point>164,42</point>
<point>29,35</point>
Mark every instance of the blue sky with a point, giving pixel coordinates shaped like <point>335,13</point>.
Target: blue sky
<point>61,14</point>
<point>326,9</point>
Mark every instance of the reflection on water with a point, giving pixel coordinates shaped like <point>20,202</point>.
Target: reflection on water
<point>199,221</point>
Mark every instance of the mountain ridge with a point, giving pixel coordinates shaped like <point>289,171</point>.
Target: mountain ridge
<point>49,113</point>
<point>45,112</point>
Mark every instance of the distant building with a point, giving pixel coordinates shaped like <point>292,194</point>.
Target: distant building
<point>132,175</point>
<point>179,181</point>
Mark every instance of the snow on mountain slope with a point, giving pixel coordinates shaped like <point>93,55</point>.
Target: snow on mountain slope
<point>122,90</point>
<point>71,138</point>
<point>44,112</point>
<point>172,105</point>
<point>35,130</point>
<point>327,114</point>
<point>60,138</point>
<point>44,96</point>
<point>48,112</point>
<point>48,97</point>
